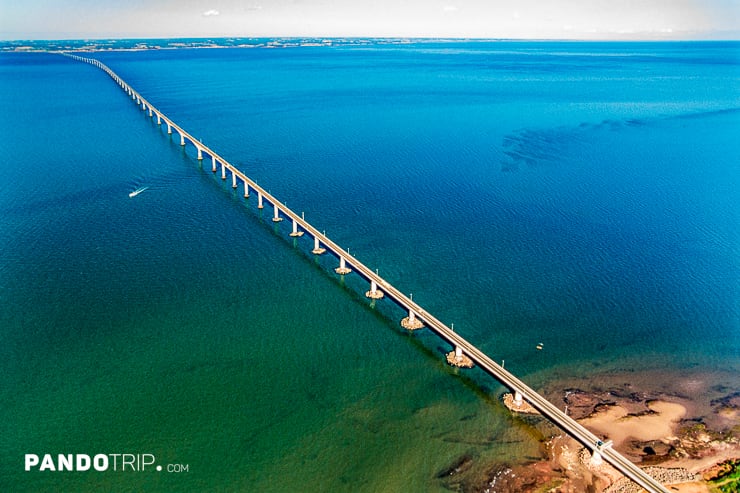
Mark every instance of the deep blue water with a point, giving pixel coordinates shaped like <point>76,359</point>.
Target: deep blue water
<point>582,195</point>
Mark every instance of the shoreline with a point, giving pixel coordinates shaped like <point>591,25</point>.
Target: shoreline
<point>680,426</point>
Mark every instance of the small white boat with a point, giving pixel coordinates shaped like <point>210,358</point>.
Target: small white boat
<point>137,191</point>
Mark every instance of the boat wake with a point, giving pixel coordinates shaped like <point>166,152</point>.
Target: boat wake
<point>137,192</point>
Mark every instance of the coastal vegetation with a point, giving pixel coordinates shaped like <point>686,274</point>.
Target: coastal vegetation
<point>725,477</point>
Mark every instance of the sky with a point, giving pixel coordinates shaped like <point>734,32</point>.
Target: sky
<point>526,19</point>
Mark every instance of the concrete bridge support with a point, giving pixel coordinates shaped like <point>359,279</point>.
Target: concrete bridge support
<point>596,459</point>
<point>374,293</point>
<point>411,322</point>
<point>517,398</point>
<point>317,248</point>
<point>459,359</point>
<point>342,269</point>
<point>295,231</point>
<point>596,454</point>
<point>276,214</point>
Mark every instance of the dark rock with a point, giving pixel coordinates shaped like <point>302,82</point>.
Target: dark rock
<point>458,467</point>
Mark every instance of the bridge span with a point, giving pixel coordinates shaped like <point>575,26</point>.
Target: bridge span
<point>417,318</point>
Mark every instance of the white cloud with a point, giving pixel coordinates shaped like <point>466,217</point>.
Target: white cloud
<point>450,8</point>
<point>211,13</point>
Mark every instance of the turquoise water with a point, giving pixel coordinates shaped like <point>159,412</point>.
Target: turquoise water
<point>582,195</point>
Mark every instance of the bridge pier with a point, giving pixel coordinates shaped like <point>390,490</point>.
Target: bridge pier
<point>295,231</point>
<point>233,180</point>
<point>276,214</point>
<point>151,114</point>
<point>596,459</point>
<point>200,154</point>
<point>374,293</point>
<point>159,119</point>
<point>514,402</point>
<point>223,171</point>
<point>317,248</point>
<point>246,190</point>
<point>259,201</point>
<point>213,163</point>
<point>169,128</point>
<point>459,359</point>
<point>342,269</point>
<point>411,322</point>
<point>517,398</point>
<point>182,139</point>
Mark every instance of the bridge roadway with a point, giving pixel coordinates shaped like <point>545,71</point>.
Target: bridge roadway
<point>545,407</point>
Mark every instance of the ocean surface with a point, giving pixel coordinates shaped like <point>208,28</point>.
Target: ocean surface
<point>579,195</point>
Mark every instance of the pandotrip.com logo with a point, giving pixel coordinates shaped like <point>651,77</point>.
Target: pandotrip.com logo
<point>99,463</point>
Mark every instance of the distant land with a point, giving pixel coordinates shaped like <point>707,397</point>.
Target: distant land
<point>139,44</point>
<point>175,43</point>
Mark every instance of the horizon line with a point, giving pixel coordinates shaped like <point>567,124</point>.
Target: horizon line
<point>355,37</point>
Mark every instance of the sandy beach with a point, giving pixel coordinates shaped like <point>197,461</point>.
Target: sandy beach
<point>617,424</point>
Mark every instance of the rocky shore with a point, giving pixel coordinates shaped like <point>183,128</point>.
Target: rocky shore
<point>666,475</point>
<point>682,438</point>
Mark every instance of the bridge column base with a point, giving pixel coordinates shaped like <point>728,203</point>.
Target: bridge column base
<point>295,233</point>
<point>317,248</point>
<point>458,359</point>
<point>342,269</point>
<point>276,216</point>
<point>596,459</point>
<point>374,293</point>
<point>520,406</point>
<point>409,323</point>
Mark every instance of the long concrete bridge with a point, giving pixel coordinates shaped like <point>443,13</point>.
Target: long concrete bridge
<point>417,316</point>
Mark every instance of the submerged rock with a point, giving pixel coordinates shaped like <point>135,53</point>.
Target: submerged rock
<point>458,467</point>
